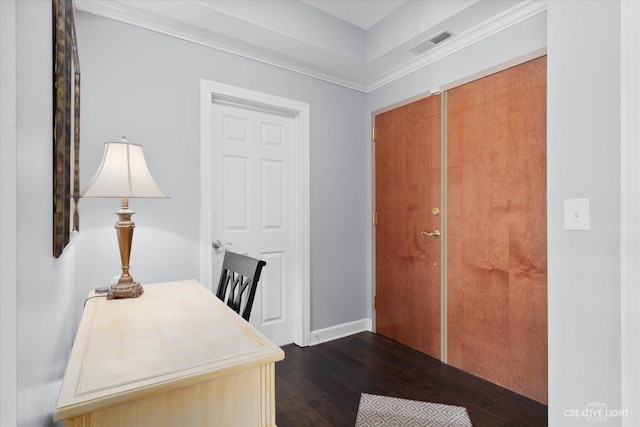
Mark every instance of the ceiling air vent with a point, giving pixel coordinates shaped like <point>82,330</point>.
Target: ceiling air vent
<point>424,46</point>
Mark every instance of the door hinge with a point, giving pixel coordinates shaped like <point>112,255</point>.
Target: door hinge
<point>374,302</point>
<point>375,217</point>
<point>373,134</point>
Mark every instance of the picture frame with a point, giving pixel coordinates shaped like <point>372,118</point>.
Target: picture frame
<point>66,125</point>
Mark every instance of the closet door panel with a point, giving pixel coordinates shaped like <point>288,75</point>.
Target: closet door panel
<point>496,229</point>
<point>407,187</point>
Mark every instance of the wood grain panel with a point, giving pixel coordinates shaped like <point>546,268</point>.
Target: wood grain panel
<point>408,186</point>
<point>497,258</point>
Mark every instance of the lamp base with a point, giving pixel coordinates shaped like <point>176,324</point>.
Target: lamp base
<point>126,286</point>
<point>125,289</point>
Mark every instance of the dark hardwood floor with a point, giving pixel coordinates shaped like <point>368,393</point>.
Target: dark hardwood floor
<point>321,385</point>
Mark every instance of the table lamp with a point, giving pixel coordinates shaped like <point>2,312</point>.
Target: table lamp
<point>123,174</point>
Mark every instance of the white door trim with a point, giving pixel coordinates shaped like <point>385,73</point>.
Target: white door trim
<point>299,111</point>
<point>630,210</point>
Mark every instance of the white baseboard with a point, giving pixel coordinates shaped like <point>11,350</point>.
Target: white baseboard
<point>334,332</point>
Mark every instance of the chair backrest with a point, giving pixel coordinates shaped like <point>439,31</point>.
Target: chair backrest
<point>239,281</point>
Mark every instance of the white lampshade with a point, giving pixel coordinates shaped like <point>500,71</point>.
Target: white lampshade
<point>123,173</point>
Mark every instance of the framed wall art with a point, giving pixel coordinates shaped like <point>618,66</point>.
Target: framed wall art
<point>66,125</point>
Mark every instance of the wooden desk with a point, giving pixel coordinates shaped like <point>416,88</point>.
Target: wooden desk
<point>183,359</point>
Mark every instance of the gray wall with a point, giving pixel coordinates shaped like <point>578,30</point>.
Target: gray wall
<point>145,85</point>
<point>46,286</point>
<point>8,217</point>
<point>584,162</point>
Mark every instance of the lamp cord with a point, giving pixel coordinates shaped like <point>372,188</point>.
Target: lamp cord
<point>95,296</point>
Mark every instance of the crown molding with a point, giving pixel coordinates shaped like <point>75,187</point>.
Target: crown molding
<point>123,12</point>
<point>330,67</point>
<point>488,28</point>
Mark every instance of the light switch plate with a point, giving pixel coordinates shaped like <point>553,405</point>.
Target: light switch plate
<point>576,214</point>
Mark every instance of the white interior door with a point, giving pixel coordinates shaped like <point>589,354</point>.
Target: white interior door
<point>252,206</point>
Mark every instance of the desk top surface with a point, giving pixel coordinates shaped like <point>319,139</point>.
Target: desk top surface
<point>174,334</point>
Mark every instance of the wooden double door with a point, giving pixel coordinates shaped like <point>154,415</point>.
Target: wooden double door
<point>460,234</point>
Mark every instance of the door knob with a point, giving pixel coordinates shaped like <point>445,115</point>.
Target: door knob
<point>434,233</point>
<point>217,244</point>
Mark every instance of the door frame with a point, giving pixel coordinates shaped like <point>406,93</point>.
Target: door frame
<point>630,212</point>
<point>212,92</point>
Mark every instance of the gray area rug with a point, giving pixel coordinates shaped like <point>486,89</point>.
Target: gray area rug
<point>383,411</point>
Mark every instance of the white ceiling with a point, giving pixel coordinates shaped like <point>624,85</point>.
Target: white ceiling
<point>361,44</point>
<point>362,13</point>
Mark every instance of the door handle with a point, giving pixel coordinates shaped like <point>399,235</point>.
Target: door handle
<point>434,233</point>
<point>217,244</point>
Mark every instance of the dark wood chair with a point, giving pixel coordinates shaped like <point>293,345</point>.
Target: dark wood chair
<point>239,281</point>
